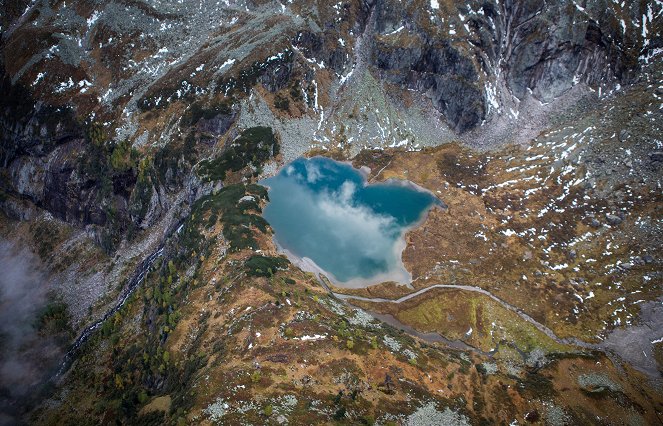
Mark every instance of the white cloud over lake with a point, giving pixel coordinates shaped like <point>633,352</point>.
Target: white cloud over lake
<point>312,172</point>
<point>323,211</point>
<point>350,224</point>
<point>332,229</point>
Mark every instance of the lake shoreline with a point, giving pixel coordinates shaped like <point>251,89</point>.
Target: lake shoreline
<point>308,228</point>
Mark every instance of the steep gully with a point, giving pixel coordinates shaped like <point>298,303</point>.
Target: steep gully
<point>137,278</point>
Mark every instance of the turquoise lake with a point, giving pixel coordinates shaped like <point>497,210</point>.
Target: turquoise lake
<point>326,217</point>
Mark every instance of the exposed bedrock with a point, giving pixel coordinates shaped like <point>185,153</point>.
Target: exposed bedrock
<point>542,47</point>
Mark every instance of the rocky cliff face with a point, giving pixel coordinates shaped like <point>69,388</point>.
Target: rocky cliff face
<point>36,139</point>
<point>53,166</point>
<point>472,58</point>
<point>165,85</point>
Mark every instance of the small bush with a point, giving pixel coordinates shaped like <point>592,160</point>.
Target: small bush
<point>340,413</point>
<point>282,103</point>
<point>368,420</point>
<point>264,266</point>
<point>123,157</point>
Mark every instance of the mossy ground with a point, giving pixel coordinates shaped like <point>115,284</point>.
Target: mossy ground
<point>471,317</point>
<point>252,149</point>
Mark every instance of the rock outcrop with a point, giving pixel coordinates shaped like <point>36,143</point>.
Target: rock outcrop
<point>458,56</point>
<point>472,63</point>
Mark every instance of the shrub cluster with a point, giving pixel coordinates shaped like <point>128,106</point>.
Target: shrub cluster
<point>253,147</point>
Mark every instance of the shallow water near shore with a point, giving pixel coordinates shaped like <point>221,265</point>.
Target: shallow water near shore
<point>326,218</point>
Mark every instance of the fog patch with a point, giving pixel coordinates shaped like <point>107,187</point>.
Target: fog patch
<point>26,357</point>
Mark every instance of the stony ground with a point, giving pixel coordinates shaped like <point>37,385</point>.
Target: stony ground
<point>226,347</point>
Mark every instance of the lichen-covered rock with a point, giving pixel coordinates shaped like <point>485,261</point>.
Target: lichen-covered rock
<point>596,383</point>
<point>428,414</point>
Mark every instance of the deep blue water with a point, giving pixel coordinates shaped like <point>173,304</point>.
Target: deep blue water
<point>324,210</point>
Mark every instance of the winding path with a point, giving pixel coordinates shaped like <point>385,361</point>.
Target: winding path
<point>542,328</point>
<point>633,345</point>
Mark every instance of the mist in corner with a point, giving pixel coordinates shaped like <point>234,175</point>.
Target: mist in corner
<point>29,349</point>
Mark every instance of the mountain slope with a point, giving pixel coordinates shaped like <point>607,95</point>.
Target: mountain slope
<point>134,127</point>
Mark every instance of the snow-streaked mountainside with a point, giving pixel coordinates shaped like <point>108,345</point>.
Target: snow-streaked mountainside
<point>475,63</point>
<point>144,286</point>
